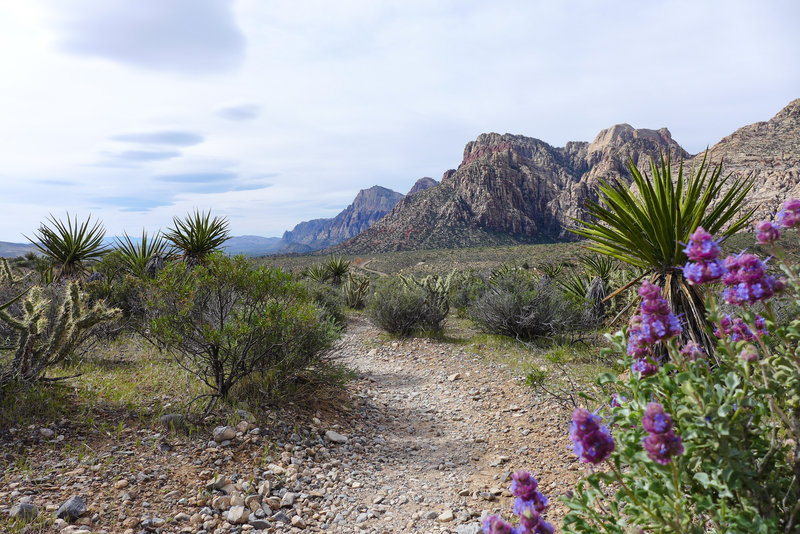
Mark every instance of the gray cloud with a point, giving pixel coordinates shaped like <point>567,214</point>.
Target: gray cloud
<point>243,112</point>
<point>197,177</point>
<point>186,36</point>
<point>132,204</point>
<point>161,138</point>
<point>146,155</point>
<point>213,182</point>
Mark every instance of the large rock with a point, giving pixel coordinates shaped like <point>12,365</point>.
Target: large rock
<point>23,511</point>
<point>224,433</point>
<point>72,509</point>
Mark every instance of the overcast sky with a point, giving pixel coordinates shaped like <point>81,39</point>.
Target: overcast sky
<point>273,112</point>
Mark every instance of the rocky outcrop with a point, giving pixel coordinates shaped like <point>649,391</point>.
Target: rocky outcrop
<point>368,207</point>
<point>422,184</point>
<point>516,189</point>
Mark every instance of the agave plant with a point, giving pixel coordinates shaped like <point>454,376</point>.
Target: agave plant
<point>135,255</point>
<point>68,246</point>
<point>649,229</point>
<point>551,269</point>
<point>198,235</point>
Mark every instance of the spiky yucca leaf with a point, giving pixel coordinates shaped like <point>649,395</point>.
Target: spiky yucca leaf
<point>198,235</point>
<point>69,245</point>
<point>135,255</point>
<point>649,229</point>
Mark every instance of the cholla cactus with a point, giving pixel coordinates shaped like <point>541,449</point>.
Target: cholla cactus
<point>354,290</point>
<point>7,275</point>
<point>41,342</point>
<point>437,287</point>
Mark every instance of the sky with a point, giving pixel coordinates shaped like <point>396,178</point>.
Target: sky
<point>274,112</point>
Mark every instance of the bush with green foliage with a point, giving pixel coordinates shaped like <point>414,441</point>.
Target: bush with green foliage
<point>69,246</point>
<point>402,308</point>
<point>697,445</point>
<point>224,320</point>
<point>197,235</point>
<point>329,301</point>
<point>522,305</point>
<point>136,254</point>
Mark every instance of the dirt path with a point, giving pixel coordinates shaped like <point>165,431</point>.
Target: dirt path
<point>373,271</point>
<point>427,443</point>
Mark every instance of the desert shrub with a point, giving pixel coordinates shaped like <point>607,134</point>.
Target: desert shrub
<point>519,304</point>
<point>337,268</point>
<point>466,288</point>
<point>69,246</point>
<point>136,254</point>
<point>402,308</point>
<point>355,290</point>
<point>329,302</point>
<point>224,321</point>
<point>197,235</point>
<point>692,444</point>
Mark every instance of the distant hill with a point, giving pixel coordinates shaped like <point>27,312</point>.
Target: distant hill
<point>517,189</point>
<point>252,245</point>
<point>12,250</point>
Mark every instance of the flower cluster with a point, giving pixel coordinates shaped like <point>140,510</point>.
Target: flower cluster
<point>789,217</point>
<point>593,442</point>
<point>705,265</point>
<point>662,443</point>
<point>738,330</point>
<point>529,506</point>
<point>692,351</point>
<point>767,233</point>
<point>747,280</point>
<point>656,323</point>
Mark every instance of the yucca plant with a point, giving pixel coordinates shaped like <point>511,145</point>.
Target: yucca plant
<point>648,228</point>
<point>198,235</point>
<point>68,246</point>
<point>317,273</point>
<point>337,268</point>
<point>551,269</point>
<point>135,254</point>
<point>354,291</point>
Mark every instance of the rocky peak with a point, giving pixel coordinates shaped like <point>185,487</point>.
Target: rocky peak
<point>422,184</point>
<point>492,143</point>
<point>376,198</point>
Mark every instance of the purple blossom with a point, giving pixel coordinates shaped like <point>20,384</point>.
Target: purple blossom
<point>655,420</point>
<point>495,525</point>
<point>702,246</point>
<point>538,503</point>
<point>617,400</point>
<point>767,233</point>
<point>593,442</point>
<point>661,444</point>
<point>662,447</point>
<point>789,216</point>
<point>644,366</point>
<point>692,351</point>
<point>655,323</point>
<point>738,330</point>
<point>523,485</point>
<point>747,280</point>
<point>749,354</point>
<point>704,272</point>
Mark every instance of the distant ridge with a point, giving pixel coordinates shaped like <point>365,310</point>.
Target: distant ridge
<point>516,189</point>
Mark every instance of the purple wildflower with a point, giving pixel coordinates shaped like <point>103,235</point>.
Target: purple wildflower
<point>644,366</point>
<point>767,233</point>
<point>655,420</point>
<point>692,351</point>
<point>747,280</point>
<point>662,447</point>
<point>538,503</point>
<point>705,266</point>
<point>789,217</point>
<point>661,444</point>
<point>495,525</point>
<point>617,400</point>
<point>523,485</point>
<point>656,323</point>
<point>593,442</point>
<point>738,330</point>
<point>702,246</point>
<point>749,354</point>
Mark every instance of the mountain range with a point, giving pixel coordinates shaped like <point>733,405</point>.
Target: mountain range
<point>517,189</point>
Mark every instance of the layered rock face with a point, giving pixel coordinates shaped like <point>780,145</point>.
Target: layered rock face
<point>368,206</point>
<point>422,184</point>
<point>516,189</point>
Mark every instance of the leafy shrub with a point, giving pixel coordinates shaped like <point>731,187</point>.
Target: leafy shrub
<point>700,445</point>
<point>224,321</point>
<point>519,304</point>
<point>329,302</point>
<point>402,308</point>
<point>467,287</point>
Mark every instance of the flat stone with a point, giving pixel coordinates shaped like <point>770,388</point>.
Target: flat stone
<point>335,437</point>
<point>224,433</point>
<point>72,509</point>
<point>446,516</point>
<point>238,515</point>
<point>24,511</point>
<point>216,483</point>
<point>474,528</point>
<point>298,522</point>
<point>173,421</point>
<point>454,377</point>
<point>288,499</point>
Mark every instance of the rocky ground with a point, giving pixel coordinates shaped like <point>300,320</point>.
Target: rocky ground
<point>426,444</point>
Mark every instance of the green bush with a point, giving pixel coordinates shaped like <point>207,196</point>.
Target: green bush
<point>521,305</point>
<point>402,308</point>
<point>355,289</point>
<point>329,302</point>
<point>224,321</point>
